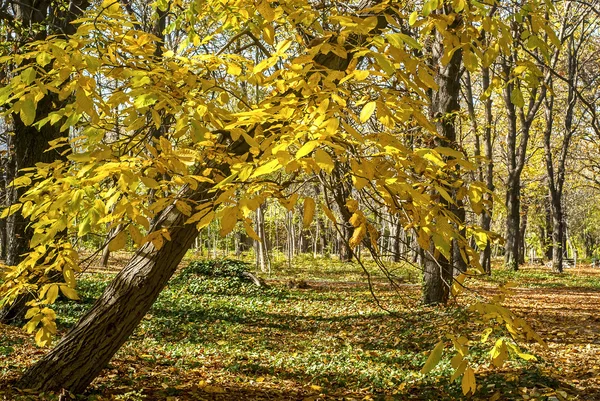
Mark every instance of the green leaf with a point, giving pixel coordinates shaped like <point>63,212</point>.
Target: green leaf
<point>43,59</point>
<point>516,97</point>
<point>434,358</point>
<point>27,111</point>
<point>28,76</point>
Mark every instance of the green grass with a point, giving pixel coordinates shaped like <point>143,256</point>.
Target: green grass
<point>336,338</point>
<point>543,277</point>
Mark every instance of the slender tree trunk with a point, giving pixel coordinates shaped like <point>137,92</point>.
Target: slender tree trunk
<point>522,231</point>
<point>437,269</point>
<point>486,217</point>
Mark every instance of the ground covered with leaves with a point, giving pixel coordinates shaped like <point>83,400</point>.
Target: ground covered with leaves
<point>316,333</point>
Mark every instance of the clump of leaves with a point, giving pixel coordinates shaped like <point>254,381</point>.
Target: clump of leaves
<point>225,276</point>
<point>215,268</point>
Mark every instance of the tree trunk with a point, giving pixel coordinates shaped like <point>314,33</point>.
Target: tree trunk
<point>86,349</point>
<point>513,224</point>
<point>486,217</point>
<point>27,145</point>
<point>437,278</point>
<point>522,231</point>
<point>437,269</point>
<point>262,256</point>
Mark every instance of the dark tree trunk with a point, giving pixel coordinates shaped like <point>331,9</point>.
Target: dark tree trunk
<point>460,264</point>
<point>437,278</point>
<point>547,232</point>
<point>486,218</point>
<point>437,269</point>
<point>86,349</point>
<point>522,231</point>
<point>27,145</point>
<point>513,224</point>
<point>398,231</point>
<point>556,175</point>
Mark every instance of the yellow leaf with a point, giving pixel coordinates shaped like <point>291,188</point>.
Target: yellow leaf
<point>434,358</point>
<point>269,34</point>
<point>52,294</point>
<point>264,8</point>
<point>43,59</point>
<point>358,235</point>
<point>234,69</point>
<point>516,97</point>
<point>459,370</point>
<point>309,212</point>
<point>84,227</point>
<point>203,218</point>
<point>183,208</point>
<point>149,182</point>
<point>457,284</point>
<point>426,78</point>
<point>118,242</point>
<point>367,111</point>
<point>10,210</point>
<point>468,381</point>
<point>329,213</point>
<point>306,149</point>
<point>43,337</point>
<point>413,18</point>
<point>31,312</point>
<point>250,231</point>
<point>69,292</point>
<point>135,234</point>
<point>228,220</point>
<point>499,353</point>
<point>324,161</point>
<point>267,168</point>
<point>22,181</point>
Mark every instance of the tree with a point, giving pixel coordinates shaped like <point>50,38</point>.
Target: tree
<point>30,21</point>
<point>219,153</point>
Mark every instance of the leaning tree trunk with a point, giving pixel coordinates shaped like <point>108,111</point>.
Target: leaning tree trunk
<point>90,344</point>
<point>86,349</point>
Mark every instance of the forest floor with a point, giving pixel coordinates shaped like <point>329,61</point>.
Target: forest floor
<point>218,339</point>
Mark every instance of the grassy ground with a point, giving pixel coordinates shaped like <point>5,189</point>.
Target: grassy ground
<point>221,339</point>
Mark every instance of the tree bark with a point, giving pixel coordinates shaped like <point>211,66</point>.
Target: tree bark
<point>437,269</point>
<point>86,349</point>
<point>522,231</point>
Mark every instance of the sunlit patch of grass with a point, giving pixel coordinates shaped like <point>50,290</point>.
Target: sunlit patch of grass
<point>536,276</point>
<point>225,333</point>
